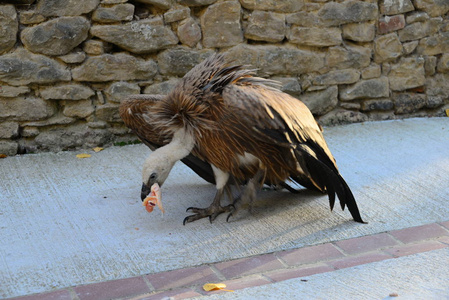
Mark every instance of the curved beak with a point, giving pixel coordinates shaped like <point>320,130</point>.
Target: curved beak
<point>145,191</point>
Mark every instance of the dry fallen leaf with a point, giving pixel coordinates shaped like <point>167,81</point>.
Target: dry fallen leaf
<point>393,295</point>
<point>215,286</point>
<point>3,155</point>
<point>447,112</point>
<point>97,149</point>
<point>83,155</point>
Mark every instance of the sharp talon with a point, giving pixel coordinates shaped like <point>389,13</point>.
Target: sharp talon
<point>185,221</point>
<point>189,208</point>
<point>210,219</point>
<point>227,219</point>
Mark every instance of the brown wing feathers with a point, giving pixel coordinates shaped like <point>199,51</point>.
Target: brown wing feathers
<point>135,112</point>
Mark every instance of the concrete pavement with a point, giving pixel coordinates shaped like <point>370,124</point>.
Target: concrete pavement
<point>70,221</point>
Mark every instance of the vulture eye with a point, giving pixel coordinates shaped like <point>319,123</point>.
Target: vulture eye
<point>153,176</point>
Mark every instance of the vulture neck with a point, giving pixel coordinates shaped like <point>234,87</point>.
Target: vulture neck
<point>179,147</point>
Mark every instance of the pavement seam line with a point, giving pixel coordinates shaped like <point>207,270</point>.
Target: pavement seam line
<point>73,294</point>
<point>275,254</point>
<point>216,271</point>
<point>148,283</point>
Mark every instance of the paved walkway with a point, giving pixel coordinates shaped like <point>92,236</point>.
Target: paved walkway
<point>75,228</point>
<point>266,269</point>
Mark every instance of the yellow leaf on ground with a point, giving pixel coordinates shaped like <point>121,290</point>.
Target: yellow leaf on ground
<point>3,155</point>
<point>83,155</point>
<point>215,286</point>
<point>447,112</point>
<point>97,149</point>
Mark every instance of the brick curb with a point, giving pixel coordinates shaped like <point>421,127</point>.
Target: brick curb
<point>262,269</point>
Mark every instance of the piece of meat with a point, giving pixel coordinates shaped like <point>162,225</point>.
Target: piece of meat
<point>153,199</point>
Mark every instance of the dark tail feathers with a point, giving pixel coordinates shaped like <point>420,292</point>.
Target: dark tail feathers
<point>329,179</point>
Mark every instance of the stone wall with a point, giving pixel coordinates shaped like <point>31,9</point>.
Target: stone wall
<point>66,64</point>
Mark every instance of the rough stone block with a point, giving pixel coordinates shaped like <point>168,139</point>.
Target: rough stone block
<point>13,91</point>
<point>67,92</point>
<point>9,27</point>
<point>57,8</point>
<point>287,61</point>
<point>29,17</point>
<point>335,13</point>
<point>139,37</point>
<point>417,16</point>
<point>29,131</point>
<point>279,6</point>
<point>406,74</point>
<point>318,37</point>
<point>71,137</point>
<point>443,63</point>
<point>371,88</point>
<point>346,76</point>
<point>418,30</point>
<point>409,47</point>
<point>220,25</point>
<point>177,14</point>
<point>406,103</point>
<point>189,32</point>
<point>434,8</point>
<point>178,61</point>
<point>275,60</point>
<point>394,7</point>
<point>19,109</point>
<point>78,109</point>
<point>75,57</point>
<point>350,105</point>
<point>117,91</point>
<point>94,47</point>
<point>164,4</point>
<point>340,116</point>
<point>57,119</point>
<point>434,45</point>
<point>108,67</point>
<point>303,18</point>
<point>437,85</point>
<point>266,26</point>
<point>430,64</point>
<point>434,101</point>
<point>23,67</point>
<point>321,102</point>
<point>390,24</point>
<point>9,148</point>
<point>56,37</point>
<point>377,104</point>
<point>108,113</point>
<point>387,48</point>
<point>162,88</point>
<point>359,32</point>
<point>116,13</point>
<point>289,85</point>
<point>372,71</point>
<point>196,2</point>
<point>9,130</point>
<point>348,56</point>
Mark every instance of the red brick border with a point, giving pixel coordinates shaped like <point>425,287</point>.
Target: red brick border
<point>263,269</point>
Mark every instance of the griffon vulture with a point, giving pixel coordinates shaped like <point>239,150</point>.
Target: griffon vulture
<point>232,127</point>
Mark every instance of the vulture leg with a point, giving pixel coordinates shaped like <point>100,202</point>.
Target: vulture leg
<point>249,194</point>
<point>213,210</point>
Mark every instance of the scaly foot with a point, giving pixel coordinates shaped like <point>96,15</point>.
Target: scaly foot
<point>212,212</point>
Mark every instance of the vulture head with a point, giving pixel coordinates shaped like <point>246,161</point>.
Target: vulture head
<point>155,170</point>
<point>160,162</point>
